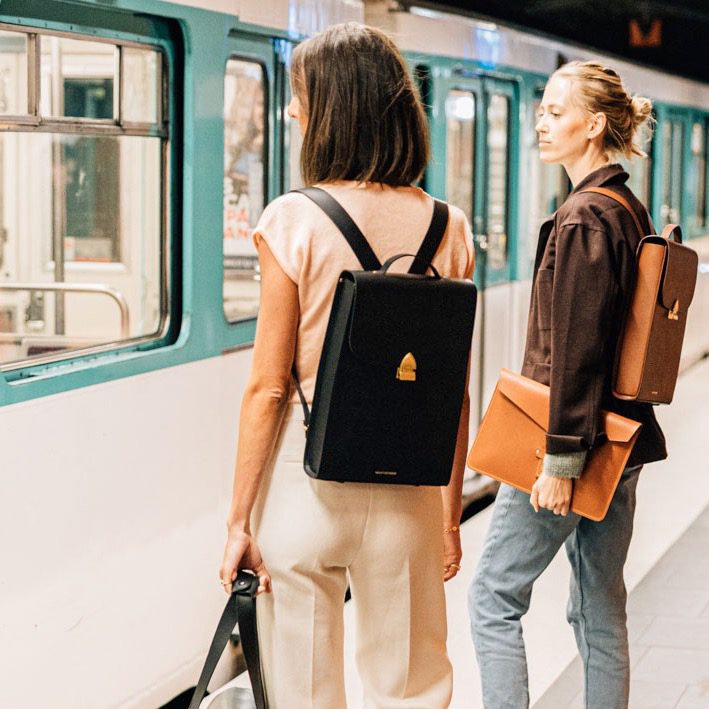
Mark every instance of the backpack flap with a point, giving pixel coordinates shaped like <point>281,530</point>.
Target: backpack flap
<point>400,314</point>
<point>679,277</point>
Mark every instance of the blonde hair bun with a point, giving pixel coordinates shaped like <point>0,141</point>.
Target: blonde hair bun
<point>642,109</point>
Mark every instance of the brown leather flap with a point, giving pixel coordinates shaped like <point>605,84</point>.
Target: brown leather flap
<point>527,395</point>
<point>533,399</point>
<point>679,269</point>
<point>680,278</point>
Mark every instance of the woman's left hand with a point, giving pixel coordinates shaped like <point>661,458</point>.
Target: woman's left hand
<point>452,554</point>
<point>552,494</point>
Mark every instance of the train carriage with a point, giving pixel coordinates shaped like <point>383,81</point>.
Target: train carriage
<point>139,142</point>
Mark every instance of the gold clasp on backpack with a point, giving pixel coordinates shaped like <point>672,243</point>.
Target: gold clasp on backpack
<point>672,315</point>
<point>406,371</point>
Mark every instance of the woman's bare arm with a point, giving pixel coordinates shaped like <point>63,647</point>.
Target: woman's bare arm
<point>453,493</point>
<point>262,409</point>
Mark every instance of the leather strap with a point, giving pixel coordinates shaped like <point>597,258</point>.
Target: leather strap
<point>241,608</point>
<point>303,402</point>
<point>671,232</point>
<point>621,200</point>
<point>343,221</point>
<point>432,240</point>
<point>358,243</point>
<point>363,251</point>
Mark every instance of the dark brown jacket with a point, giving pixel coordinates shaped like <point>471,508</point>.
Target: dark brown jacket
<point>582,273</point>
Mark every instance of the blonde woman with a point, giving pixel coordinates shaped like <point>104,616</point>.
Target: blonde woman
<point>366,143</point>
<point>582,274</point>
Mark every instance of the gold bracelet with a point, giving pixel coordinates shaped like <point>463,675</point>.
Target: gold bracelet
<point>448,530</point>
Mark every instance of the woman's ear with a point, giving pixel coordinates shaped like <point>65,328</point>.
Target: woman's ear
<point>596,125</point>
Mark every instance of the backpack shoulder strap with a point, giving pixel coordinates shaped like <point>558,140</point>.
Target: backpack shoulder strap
<point>358,243</point>
<point>432,240</point>
<point>343,221</point>
<point>621,200</point>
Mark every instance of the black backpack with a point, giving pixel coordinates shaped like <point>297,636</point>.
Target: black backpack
<point>392,373</point>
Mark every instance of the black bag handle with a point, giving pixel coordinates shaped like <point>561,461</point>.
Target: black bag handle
<point>363,251</point>
<point>240,607</point>
<point>416,257</point>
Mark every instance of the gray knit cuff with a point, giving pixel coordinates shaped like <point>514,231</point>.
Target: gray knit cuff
<point>564,465</point>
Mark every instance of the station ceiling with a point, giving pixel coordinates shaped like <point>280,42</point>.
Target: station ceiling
<point>670,34</point>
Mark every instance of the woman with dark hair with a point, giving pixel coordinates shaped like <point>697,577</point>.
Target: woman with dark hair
<point>583,271</point>
<point>366,143</point>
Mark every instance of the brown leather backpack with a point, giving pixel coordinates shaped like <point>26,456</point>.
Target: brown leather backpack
<point>650,345</point>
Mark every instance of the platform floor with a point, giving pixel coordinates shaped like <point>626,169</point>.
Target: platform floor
<point>668,622</point>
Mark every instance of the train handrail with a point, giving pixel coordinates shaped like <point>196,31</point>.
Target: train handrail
<point>62,287</point>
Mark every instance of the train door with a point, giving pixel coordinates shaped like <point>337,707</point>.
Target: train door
<point>672,169</point>
<point>494,231</point>
<point>253,95</point>
<point>461,142</point>
<point>480,135</point>
<point>479,146</point>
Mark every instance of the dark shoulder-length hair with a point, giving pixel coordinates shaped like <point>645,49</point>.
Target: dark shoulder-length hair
<point>365,119</point>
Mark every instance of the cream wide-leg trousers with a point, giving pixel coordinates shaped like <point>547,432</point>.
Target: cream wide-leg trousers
<point>388,540</point>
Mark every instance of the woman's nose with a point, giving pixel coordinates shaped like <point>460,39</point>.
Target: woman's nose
<point>292,108</point>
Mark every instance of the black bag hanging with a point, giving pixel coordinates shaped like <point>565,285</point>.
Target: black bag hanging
<point>392,373</point>
<point>240,607</point>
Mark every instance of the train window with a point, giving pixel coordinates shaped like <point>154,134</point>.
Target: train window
<point>13,73</point>
<point>699,168</point>
<point>77,78</point>
<point>140,84</point>
<point>83,255</point>
<point>460,162</point>
<point>497,171</point>
<point>245,153</point>
<point>671,212</point>
<point>91,172</point>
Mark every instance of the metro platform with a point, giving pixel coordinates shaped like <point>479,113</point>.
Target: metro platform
<point>667,576</point>
<point>668,622</point>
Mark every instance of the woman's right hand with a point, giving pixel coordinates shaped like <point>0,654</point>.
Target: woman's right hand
<point>242,552</point>
<point>452,552</point>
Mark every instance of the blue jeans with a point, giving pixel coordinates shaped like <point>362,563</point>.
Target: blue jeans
<point>520,544</point>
